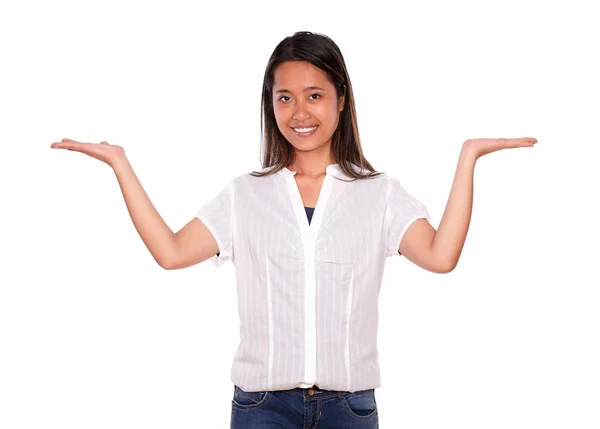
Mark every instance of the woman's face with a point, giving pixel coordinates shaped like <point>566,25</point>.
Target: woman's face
<point>304,98</point>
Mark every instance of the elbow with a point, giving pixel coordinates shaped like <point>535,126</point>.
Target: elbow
<point>168,257</point>
<point>441,261</point>
<point>444,267</point>
<point>448,267</point>
<point>447,270</point>
<point>166,263</point>
<point>166,266</point>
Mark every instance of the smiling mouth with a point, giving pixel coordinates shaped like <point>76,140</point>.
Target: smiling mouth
<point>305,131</point>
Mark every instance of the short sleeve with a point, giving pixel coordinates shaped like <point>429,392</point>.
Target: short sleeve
<point>401,211</point>
<point>217,215</point>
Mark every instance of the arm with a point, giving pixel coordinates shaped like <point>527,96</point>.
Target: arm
<point>191,245</point>
<point>155,233</point>
<point>194,243</point>
<point>449,240</point>
<point>439,251</point>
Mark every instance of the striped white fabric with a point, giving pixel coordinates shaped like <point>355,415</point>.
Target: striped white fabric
<point>308,293</point>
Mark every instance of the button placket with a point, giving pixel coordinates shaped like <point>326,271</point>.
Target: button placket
<point>309,233</point>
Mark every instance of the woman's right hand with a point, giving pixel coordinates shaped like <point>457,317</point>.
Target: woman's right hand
<point>102,151</point>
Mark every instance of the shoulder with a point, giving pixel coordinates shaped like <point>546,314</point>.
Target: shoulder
<point>394,184</point>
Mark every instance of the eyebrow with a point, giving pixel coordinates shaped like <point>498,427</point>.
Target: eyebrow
<point>305,89</point>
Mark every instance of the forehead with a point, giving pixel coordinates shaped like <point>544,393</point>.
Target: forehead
<point>296,75</point>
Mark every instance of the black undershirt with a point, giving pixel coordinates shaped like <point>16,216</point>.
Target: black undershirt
<point>309,213</point>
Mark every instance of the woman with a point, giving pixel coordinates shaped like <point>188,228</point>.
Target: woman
<point>309,235</point>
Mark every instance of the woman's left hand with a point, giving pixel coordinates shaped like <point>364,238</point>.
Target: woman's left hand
<point>480,147</point>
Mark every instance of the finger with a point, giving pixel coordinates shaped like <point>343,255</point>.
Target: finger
<point>71,145</point>
<point>526,141</point>
<point>518,142</point>
<point>64,145</point>
<point>76,142</point>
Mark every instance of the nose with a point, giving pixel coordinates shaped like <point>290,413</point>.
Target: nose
<point>301,112</point>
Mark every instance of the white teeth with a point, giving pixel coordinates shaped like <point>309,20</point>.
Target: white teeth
<point>304,130</point>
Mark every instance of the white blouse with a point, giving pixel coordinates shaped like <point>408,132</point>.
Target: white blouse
<point>308,293</point>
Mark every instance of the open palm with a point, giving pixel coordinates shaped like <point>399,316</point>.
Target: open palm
<point>102,151</point>
<point>480,147</point>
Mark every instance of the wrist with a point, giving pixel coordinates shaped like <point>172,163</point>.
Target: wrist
<point>119,163</point>
<point>468,152</point>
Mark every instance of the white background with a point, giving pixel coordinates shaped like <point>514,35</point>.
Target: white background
<point>94,334</point>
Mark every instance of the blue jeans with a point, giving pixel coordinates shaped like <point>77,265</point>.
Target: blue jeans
<point>298,408</point>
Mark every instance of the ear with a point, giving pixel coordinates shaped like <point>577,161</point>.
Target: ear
<point>342,100</point>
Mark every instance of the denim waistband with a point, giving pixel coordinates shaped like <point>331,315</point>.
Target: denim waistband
<point>314,392</point>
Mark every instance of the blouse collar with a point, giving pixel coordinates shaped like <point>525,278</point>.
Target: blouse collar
<point>332,169</point>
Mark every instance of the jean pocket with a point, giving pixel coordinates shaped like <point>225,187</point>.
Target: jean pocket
<point>246,400</point>
<point>361,404</point>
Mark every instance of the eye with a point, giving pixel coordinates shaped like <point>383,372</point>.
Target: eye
<point>285,96</point>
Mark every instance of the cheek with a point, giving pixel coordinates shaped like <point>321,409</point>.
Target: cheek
<point>278,120</point>
<point>330,114</point>
<point>281,116</point>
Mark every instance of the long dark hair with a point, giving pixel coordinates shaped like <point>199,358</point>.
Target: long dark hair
<point>322,52</point>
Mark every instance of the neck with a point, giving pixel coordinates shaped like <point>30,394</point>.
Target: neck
<point>310,164</point>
